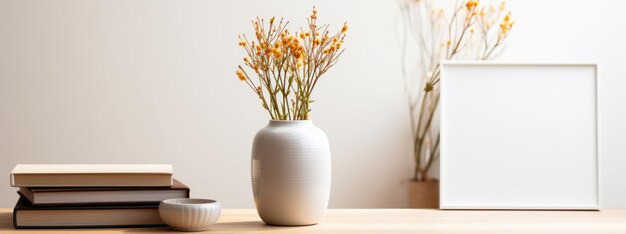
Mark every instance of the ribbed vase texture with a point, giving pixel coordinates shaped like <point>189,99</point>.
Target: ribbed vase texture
<point>291,173</point>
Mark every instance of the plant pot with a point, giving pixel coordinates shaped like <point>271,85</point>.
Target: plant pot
<point>423,194</point>
<point>291,173</point>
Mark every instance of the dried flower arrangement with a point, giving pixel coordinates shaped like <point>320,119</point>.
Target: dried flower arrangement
<point>471,31</point>
<point>288,66</point>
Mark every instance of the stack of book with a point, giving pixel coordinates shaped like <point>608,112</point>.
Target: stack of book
<point>74,196</point>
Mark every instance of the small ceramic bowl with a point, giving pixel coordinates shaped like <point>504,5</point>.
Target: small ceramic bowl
<point>189,214</point>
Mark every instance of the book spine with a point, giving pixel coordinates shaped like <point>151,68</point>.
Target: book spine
<point>15,218</point>
<point>16,225</point>
<point>89,226</point>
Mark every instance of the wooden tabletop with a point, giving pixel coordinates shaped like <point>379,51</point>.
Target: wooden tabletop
<point>395,221</point>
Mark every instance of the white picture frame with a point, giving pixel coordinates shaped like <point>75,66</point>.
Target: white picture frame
<point>519,136</point>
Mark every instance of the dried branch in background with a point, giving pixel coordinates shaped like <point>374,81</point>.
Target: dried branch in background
<point>469,31</point>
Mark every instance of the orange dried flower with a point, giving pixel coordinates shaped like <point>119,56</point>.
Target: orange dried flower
<point>471,4</point>
<point>314,15</point>
<point>506,25</point>
<point>241,75</point>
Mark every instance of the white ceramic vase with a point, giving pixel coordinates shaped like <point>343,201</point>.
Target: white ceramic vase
<point>291,173</point>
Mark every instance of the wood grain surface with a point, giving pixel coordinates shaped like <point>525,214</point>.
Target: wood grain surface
<point>395,221</point>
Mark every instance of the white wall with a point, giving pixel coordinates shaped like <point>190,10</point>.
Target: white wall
<point>114,81</point>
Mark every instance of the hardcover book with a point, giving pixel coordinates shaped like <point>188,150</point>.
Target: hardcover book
<point>28,216</point>
<point>91,175</point>
<point>77,196</point>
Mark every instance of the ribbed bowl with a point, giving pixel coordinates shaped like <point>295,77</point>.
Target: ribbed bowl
<point>189,214</point>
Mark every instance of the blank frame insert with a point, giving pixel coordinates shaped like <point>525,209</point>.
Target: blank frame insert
<point>519,136</point>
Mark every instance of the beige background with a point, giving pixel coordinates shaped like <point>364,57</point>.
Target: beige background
<point>115,81</point>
